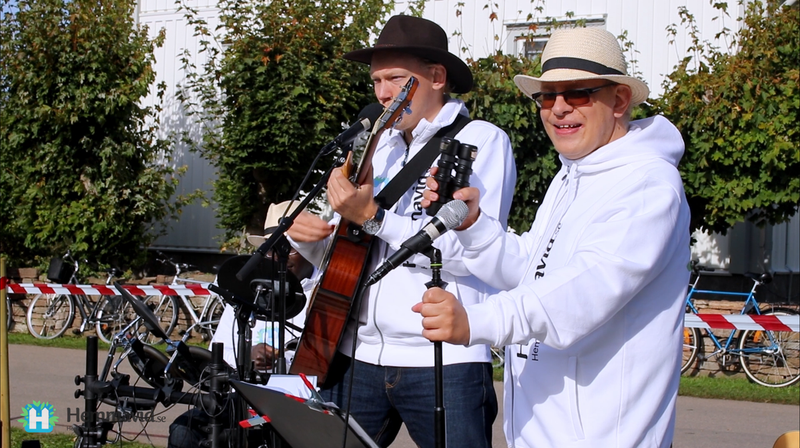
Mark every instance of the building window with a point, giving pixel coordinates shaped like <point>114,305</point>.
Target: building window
<point>529,38</point>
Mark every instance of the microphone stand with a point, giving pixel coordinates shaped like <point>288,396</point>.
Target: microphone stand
<point>243,361</point>
<point>435,255</point>
<point>278,300</point>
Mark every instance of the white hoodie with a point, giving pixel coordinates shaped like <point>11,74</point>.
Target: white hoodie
<point>390,333</point>
<point>595,293</point>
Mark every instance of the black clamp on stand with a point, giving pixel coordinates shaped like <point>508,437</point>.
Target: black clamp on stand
<point>435,255</point>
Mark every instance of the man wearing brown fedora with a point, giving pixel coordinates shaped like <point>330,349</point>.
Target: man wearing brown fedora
<point>394,365</point>
<point>591,312</point>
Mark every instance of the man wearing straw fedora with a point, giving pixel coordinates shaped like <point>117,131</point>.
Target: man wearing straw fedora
<point>394,365</point>
<point>592,305</point>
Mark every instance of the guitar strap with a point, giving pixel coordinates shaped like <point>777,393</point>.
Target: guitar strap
<point>401,182</point>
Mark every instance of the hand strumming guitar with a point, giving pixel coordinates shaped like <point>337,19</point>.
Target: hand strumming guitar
<point>308,228</point>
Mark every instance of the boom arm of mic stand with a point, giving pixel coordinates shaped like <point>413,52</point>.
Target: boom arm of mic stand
<point>285,223</point>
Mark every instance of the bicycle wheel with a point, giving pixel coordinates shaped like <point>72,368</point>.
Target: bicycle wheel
<point>771,358</point>
<point>166,311</point>
<point>49,315</point>
<point>691,343</point>
<point>212,317</point>
<point>113,314</point>
<point>498,357</point>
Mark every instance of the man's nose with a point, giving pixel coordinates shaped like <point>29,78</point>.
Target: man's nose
<point>560,106</point>
<point>384,93</point>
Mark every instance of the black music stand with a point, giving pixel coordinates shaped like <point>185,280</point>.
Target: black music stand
<point>299,424</point>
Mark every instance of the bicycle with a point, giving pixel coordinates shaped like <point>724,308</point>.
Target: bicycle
<point>50,315</point>
<point>209,315</point>
<point>768,358</point>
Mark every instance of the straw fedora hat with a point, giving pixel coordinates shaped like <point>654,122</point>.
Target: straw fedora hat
<point>419,37</point>
<point>274,213</point>
<point>577,54</point>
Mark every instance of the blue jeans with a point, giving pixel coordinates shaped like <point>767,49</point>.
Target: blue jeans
<point>385,397</point>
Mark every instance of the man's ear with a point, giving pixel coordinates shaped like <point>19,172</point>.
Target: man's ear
<point>622,100</point>
<point>439,77</point>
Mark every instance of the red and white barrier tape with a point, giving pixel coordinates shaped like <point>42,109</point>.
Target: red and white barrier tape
<point>190,289</point>
<point>715,321</point>
<point>770,322</point>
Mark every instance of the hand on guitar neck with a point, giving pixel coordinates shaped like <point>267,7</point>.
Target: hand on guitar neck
<point>353,201</point>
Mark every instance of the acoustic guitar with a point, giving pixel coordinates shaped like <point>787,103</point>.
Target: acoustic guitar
<point>344,264</point>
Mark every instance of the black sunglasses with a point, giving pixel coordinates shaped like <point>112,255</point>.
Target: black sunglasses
<point>574,97</point>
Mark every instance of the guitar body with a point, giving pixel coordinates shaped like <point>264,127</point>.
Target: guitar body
<point>344,268</point>
<point>327,316</point>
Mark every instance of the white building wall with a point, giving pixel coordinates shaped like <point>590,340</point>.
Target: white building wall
<point>195,230</point>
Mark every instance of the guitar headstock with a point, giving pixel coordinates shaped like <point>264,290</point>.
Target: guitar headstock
<point>394,112</point>
<point>389,118</point>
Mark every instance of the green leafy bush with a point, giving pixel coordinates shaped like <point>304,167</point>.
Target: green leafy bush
<point>495,98</point>
<point>273,91</point>
<point>738,114</point>
<point>81,165</point>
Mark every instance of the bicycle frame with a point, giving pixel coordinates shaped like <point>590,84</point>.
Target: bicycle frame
<point>86,306</point>
<point>205,327</point>
<point>750,304</point>
<point>196,322</point>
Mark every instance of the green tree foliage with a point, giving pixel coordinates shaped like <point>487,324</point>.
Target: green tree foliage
<point>738,114</point>
<point>495,98</point>
<point>81,165</point>
<point>273,91</point>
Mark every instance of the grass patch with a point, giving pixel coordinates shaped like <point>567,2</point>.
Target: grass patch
<point>57,440</point>
<point>739,389</point>
<point>65,341</point>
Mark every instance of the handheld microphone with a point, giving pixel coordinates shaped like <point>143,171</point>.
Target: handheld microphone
<point>366,118</point>
<point>449,217</point>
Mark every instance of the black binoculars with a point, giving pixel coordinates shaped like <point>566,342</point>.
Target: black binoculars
<point>455,167</point>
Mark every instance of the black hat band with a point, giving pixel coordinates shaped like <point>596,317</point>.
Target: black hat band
<point>579,64</point>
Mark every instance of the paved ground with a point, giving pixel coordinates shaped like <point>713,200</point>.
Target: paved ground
<point>46,374</point>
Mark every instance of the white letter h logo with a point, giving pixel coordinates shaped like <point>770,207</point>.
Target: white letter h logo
<point>42,419</point>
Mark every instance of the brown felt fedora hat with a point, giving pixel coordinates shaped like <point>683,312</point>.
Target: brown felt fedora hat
<point>577,54</point>
<point>423,38</point>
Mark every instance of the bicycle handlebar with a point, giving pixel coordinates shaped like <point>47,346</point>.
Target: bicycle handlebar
<point>179,267</point>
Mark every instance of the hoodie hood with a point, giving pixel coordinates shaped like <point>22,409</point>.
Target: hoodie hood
<point>648,141</point>
<point>650,138</point>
